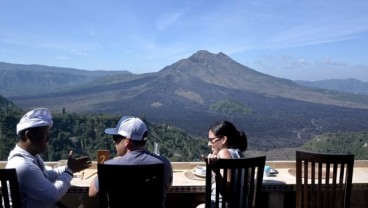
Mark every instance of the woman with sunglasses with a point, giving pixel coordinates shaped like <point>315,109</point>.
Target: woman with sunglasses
<point>225,142</point>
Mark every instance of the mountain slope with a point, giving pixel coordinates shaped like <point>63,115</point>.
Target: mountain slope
<point>219,69</point>
<point>279,113</point>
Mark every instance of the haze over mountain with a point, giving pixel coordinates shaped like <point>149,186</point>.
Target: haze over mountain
<point>194,92</point>
<point>343,85</point>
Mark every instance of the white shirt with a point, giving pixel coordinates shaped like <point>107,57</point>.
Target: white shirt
<point>40,188</point>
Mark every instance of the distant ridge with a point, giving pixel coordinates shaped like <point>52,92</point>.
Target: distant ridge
<point>343,85</point>
<point>21,79</point>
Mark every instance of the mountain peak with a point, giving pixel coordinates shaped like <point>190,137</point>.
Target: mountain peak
<point>204,64</point>
<point>202,55</point>
<point>201,63</point>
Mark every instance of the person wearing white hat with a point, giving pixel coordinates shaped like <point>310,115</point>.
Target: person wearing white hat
<point>40,187</point>
<point>130,137</point>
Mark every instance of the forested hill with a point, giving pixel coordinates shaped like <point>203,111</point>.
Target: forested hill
<point>338,143</point>
<point>85,135</point>
<point>8,107</point>
<point>9,117</point>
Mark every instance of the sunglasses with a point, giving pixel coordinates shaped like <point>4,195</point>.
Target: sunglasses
<point>214,139</point>
<point>117,138</point>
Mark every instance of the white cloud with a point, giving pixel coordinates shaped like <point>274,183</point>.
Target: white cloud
<point>166,20</point>
<point>61,57</point>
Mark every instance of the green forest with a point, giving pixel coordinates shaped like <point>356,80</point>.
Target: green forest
<point>84,134</point>
<point>337,143</point>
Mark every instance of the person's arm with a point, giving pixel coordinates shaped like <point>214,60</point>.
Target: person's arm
<point>40,187</point>
<point>34,183</point>
<point>55,173</point>
<point>93,190</point>
<point>225,154</point>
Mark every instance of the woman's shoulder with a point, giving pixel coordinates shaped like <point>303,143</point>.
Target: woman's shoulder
<point>224,153</point>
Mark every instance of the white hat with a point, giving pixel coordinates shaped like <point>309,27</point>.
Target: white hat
<point>35,118</point>
<point>129,127</point>
<point>114,131</point>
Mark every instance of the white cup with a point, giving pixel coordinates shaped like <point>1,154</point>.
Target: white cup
<point>200,170</point>
<point>61,163</point>
<point>267,170</point>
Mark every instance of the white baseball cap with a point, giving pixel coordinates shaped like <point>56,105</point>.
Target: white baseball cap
<point>129,127</point>
<point>35,118</point>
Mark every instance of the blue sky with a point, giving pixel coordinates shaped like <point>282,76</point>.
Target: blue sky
<point>293,39</point>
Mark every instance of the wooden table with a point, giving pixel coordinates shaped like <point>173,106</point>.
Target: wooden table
<point>182,181</point>
<point>278,191</point>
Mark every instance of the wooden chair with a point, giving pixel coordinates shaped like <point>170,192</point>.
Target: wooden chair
<point>9,189</point>
<point>245,185</point>
<point>323,180</point>
<point>130,185</point>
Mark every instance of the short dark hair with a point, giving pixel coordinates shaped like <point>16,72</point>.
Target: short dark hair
<point>22,134</point>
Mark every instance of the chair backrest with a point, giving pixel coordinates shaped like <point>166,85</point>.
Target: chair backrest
<point>10,195</point>
<point>130,185</point>
<point>323,180</point>
<point>243,190</point>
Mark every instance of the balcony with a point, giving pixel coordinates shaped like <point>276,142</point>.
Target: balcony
<point>189,190</point>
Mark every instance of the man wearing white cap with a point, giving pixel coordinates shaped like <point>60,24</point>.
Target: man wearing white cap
<point>40,187</point>
<point>130,137</point>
